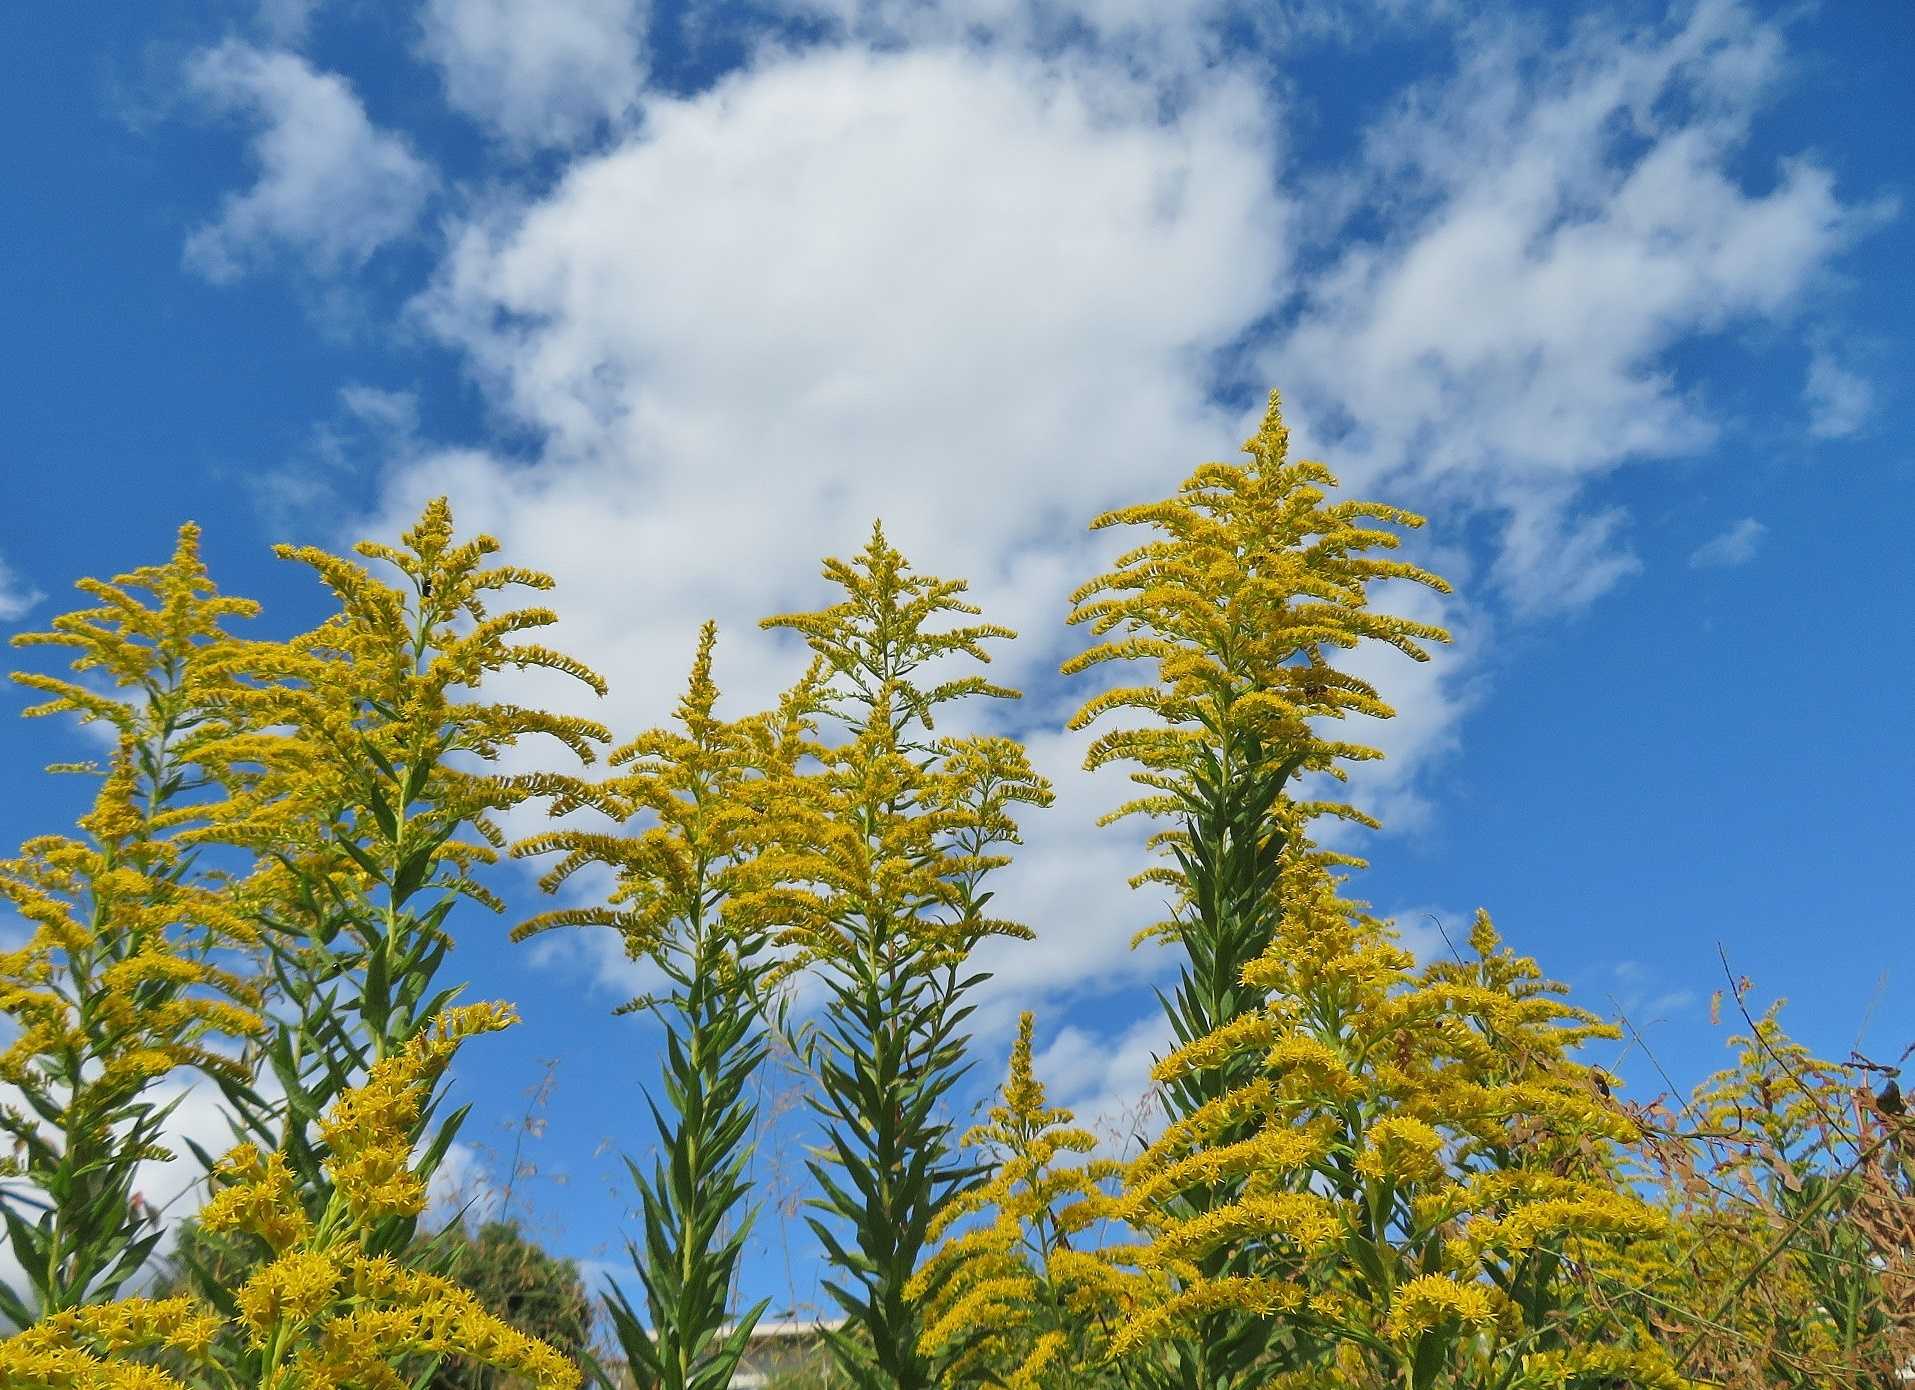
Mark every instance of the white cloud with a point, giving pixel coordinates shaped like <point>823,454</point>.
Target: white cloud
<point>1555,222</point>
<point>1069,883</point>
<point>963,295</point>
<point>1105,1077</point>
<point>1839,400</point>
<point>461,1188</point>
<point>538,72</point>
<point>332,188</point>
<point>373,428</point>
<point>1432,933</point>
<point>1735,546</point>
<point>17,597</point>
<point>1638,999</point>
<point>394,413</point>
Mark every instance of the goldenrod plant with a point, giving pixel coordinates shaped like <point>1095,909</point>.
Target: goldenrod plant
<point>1421,1172</point>
<point>695,894</point>
<point>893,832</point>
<point>365,751</point>
<point>133,967</point>
<point>1255,580</point>
<point>1027,1298</point>
<point>322,1306</point>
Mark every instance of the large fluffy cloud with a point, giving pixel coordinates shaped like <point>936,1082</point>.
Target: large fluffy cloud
<point>971,297</point>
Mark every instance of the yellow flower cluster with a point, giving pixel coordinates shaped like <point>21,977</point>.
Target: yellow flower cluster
<point>877,836</point>
<point>719,796</point>
<point>126,974</point>
<point>364,717</point>
<point>73,1350</point>
<point>107,928</point>
<point>1425,1303</point>
<point>321,1313</point>
<point>1010,1292</point>
<point>1401,1149</point>
<point>896,827</point>
<point>1605,1365</point>
<point>1256,578</point>
<point>261,1198</point>
<point>1790,1250</point>
<point>120,970</point>
<point>1777,1093</point>
<point>171,650</point>
<point>1433,1120</point>
<point>1258,1296</point>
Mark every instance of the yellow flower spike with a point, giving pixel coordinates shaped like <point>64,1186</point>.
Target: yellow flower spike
<point>113,991</point>
<point>1254,575</point>
<point>387,683</point>
<point>320,1311</point>
<point>263,1200</point>
<point>1259,1297</point>
<point>1381,1108</point>
<point>1251,584</point>
<point>1401,1148</point>
<point>1011,1276</point>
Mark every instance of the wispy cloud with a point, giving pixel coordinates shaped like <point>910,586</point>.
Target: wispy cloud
<point>1104,1077</point>
<point>286,21</point>
<point>332,188</point>
<point>17,597</point>
<point>1735,546</point>
<point>1641,999</point>
<point>374,428</point>
<point>1839,400</point>
<point>1552,223</point>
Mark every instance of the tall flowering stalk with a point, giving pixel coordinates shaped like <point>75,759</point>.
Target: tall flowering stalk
<point>129,972</point>
<point>1254,582</point>
<point>893,833</point>
<point>1423,1178</point>
<point>322,1306</point>
<point>694,895</point>
<point>365,749</point>
<point>1025,1301</point>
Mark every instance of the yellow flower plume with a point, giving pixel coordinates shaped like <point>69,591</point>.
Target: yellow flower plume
<point>321,1312</point>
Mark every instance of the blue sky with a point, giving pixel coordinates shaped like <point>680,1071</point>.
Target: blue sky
<point>675,300</point>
